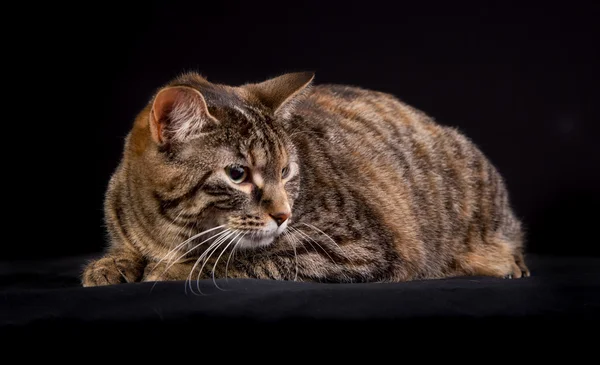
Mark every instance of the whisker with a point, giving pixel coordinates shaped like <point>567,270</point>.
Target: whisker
<point>300,240</point>
<point>187,252</point>
<point>317,243</point>
<point>175,261</point>
<point>172,251</point>
<point>207,258</point>
<point>196,236</point>
<point>288,236</point>
<point>233,253</point>
<point>209,251</point>
<point>212,245</point>
<point>304,239</point>
<point>296,253</point>
<point>188,280</point>
<point>217,261</point>
<point>326,235</point>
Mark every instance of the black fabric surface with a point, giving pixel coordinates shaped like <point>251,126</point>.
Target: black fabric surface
<point>45,298</point>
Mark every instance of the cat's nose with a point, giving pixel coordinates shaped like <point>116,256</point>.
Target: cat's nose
<point>280,217</point>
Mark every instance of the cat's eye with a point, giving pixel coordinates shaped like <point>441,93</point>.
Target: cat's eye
<point>285,172</point>
<point>237,173</point>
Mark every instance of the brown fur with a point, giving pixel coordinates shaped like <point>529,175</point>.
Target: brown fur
<point>378,191</point>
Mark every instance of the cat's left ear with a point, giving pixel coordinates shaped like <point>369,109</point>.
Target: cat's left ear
<point>179,114</point>
<point>279,93</point>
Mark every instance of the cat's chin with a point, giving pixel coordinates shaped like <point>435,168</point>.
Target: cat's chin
<point>256,242</point>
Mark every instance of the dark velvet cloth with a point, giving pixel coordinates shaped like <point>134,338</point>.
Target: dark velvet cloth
<point>45,298</point>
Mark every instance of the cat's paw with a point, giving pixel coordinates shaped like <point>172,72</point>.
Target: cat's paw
<point>111,270</point>
<point>519,270</point>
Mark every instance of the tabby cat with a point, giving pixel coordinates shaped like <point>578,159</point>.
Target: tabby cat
<point>290,180</point>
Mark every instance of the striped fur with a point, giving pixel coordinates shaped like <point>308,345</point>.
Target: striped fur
<point>377,190</point>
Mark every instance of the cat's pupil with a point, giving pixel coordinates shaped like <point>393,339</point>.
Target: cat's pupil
<point>285,172</point>
<point>237,173</point>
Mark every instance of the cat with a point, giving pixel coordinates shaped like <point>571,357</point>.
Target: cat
<point>288,179</point>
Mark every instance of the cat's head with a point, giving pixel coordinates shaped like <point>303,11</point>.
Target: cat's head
<point>211,155</point>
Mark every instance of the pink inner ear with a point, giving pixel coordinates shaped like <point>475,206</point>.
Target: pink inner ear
<point>163,104</point>
<point>181,110</point>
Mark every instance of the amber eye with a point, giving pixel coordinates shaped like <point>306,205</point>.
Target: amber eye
<point>237,173</point>
<point>285,172</point>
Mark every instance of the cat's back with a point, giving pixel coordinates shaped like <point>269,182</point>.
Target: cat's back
<point>364,113</point>
<point>374,124</point>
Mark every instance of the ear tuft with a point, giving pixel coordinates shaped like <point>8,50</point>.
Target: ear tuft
<point>279,93</point>
<point>178,114</point>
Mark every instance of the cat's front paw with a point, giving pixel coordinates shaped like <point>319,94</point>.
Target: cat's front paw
<point>519,269</point>
<point>111,270</point>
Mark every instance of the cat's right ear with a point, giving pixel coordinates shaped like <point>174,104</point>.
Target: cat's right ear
<point>178,114</point>
<point>280,93</point>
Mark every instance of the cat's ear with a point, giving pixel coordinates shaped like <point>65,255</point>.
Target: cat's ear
<point>279,93</point>
<point>178,114</point>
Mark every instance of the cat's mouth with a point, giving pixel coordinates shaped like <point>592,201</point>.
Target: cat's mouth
<point>261,237</point>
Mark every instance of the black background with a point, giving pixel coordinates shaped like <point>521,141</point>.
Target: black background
<point>521,79</point>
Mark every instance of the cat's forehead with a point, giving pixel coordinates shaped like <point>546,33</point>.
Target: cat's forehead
<point>223,101</point>
<point>263,148</point>
<point>247,128</point>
